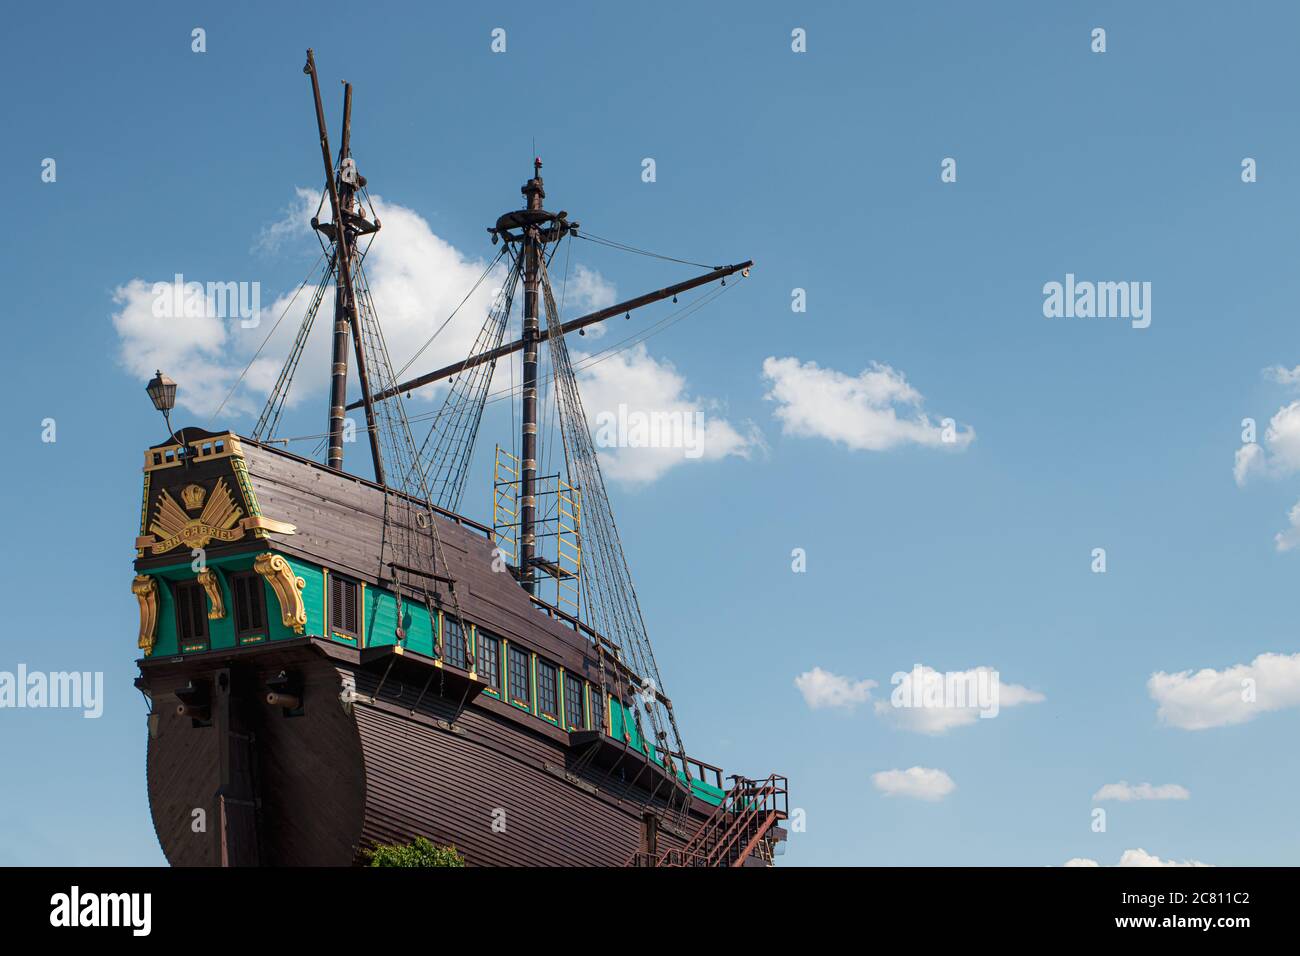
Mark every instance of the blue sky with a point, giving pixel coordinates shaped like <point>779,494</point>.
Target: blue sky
<point>824,167</point>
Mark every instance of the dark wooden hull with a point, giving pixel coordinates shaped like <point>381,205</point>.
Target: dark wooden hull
<point>319,789</point>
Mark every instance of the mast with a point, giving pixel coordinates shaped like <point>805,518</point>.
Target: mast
<point>347,225</point>
<point>532,249</point>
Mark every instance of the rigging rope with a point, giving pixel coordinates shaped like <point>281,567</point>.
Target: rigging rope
<point>592,360</point>
<point>301,286</point>
<point>610,597</point>
<point>624,247</point>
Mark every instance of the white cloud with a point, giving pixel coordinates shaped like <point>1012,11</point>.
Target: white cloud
<point>1289,377</point>
<point>416,279</point>
<point>1248,459</point>
<point>928,701</point>
<point>822,689</point>
<point>1138,857</point>
<point>874,411</point>
<point>1209,698</point>
<point>632,386</point>
<point>1125,791</point>
<point>585,290</point>
<point>1290,537</point>
<point>294,224</point>
<point>1278,454</point>
<point>920,783</point>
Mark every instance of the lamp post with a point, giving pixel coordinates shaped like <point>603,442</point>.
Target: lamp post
<point>162,392</point>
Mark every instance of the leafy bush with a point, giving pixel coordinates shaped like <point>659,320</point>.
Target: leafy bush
<point>420,852</point>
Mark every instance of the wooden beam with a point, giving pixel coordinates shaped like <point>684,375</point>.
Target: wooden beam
<point>579,323</point>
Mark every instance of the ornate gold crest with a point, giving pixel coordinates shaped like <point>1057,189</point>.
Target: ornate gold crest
<point>192,497</point>
<point>219,520</point>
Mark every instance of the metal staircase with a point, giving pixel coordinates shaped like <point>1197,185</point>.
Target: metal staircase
<point>740,832</point>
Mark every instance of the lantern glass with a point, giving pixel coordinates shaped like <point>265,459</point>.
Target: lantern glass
<point>162,392</point>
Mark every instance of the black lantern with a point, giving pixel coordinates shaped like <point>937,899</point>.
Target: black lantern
<point>162,392</point>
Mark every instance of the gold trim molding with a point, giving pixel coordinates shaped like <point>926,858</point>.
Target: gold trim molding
<point>211,584</point>
<point>145,590</point>
<point>287,587</point>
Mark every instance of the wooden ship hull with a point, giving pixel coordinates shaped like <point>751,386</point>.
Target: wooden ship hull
<point>384,742</point>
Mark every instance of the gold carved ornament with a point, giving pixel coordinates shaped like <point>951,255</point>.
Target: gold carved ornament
<point>208,578</point>
<point>145,590</point>
<point>287,587</point>
<point>220,520</point>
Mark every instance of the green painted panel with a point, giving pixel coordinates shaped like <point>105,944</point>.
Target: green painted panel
<point>221,632</point>
<point>381,622</point>
<point>707,792</point>
<point>165,637</point>
<point>621,720</point>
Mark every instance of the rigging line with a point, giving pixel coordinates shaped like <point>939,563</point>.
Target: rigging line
<point>298,292</point>
<point>625,247</point>
<point>622,345</point>
<point>592,360</point>
<point>550,391</point>
<point>492,265</point>
<point>269,420</point>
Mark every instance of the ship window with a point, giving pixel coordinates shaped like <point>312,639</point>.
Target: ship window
<point>547,704</point>
<point>250,606</point>
<point>191,616</point>
<point>454,651</point>
<point>344,612</point>
<point>520,686</point>
<point>489,660</point>
<point>572,702</point>
<point>597,708</point>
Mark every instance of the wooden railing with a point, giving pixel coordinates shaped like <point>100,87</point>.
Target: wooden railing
<point>734,831</point>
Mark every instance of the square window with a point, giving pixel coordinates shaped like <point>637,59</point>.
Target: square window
<point>572,702</point>
<point>345,612</point>
<point>521,691</point>
<point>191,616</point>
<point>489,660</point>
<point>547,702</point>
<point>250,605</point>
<point>454,650</point>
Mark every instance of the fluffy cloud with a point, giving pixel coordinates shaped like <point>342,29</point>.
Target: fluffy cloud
<point>919,783</point>
<point>1289,377</point>
<point>1125,792</point>
<point>927,701</point>
<point>1278,454</point>
<point>1290,537</point>
<point>416,279</point>
<point>585,290</point>
<point>875,410</point>
<point>822,689</point>
<point>645,422</point>
<point>1138,857</point>
<point>1209,698</point>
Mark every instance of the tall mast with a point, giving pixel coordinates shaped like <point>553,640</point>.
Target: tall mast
<point>532,249</point>
<point>347,225</point>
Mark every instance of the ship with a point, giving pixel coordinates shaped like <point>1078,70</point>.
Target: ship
<point>335,662</point>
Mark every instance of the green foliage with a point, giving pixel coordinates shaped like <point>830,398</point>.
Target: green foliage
<point>419,852</point>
